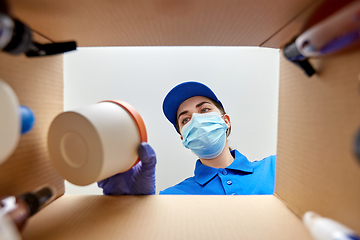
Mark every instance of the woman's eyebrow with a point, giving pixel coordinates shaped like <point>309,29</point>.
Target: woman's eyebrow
<point>200,104</point>
<point>182,113</point>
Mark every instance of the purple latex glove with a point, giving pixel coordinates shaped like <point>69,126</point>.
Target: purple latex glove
<point>139,180</point>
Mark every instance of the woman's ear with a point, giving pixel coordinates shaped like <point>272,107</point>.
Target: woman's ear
<point>227,120</point>
<point>181,137</point>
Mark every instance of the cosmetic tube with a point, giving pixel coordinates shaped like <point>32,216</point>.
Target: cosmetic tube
<point>322,228</point>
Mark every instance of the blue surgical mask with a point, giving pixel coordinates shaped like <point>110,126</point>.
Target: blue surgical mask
<point>205,134</point>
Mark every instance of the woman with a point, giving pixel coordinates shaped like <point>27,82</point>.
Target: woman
<point>200,119</point>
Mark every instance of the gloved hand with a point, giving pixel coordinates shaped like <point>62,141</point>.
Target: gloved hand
<point>139,180</point>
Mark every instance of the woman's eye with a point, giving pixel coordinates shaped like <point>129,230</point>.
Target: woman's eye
<point>185,120</point>
<point>204,110</point>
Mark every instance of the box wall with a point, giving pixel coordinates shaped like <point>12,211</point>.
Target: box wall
<point>166,217</point>
<point>318,120</point>
<point>38,83</point>
<point>161,22</point>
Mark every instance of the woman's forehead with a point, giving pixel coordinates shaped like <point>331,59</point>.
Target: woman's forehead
<point>191,103</point>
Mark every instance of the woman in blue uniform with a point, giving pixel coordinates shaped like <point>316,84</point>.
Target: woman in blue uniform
<point>200,119</point>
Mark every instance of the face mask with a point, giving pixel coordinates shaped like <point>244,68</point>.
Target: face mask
<point>205,134</point>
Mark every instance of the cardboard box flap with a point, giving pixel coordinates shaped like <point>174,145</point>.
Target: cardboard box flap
<point>319,118</point>
<point>166,217</point>
<point>38,84</point>
<point>159,22</point>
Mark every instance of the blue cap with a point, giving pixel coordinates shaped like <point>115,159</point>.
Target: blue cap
<point>180,93</point>
<point>27,119</point>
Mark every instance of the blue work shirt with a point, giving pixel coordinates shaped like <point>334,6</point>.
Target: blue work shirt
<point>242,177</point>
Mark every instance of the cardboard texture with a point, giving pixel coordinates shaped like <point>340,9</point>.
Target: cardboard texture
<point>161,22</point>
<point>318,117</point>
<point>318,120</point>
<point>38,83</point>
<point>166,217</point>
<point>293,28</point>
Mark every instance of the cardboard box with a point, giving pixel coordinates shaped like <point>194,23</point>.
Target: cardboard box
<point>318,117</point>
<point>166,217</point>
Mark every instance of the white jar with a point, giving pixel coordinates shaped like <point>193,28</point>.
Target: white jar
<point>95,142</point>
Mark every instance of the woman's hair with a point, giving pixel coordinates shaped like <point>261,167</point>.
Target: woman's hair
<point>222,111</point>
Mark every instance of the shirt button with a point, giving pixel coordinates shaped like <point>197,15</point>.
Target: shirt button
<point>224,172</point>
<point>234,193</point>
<point>229,182</point>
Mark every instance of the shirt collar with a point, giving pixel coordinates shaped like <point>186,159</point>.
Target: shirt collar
<point>204,174</point>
